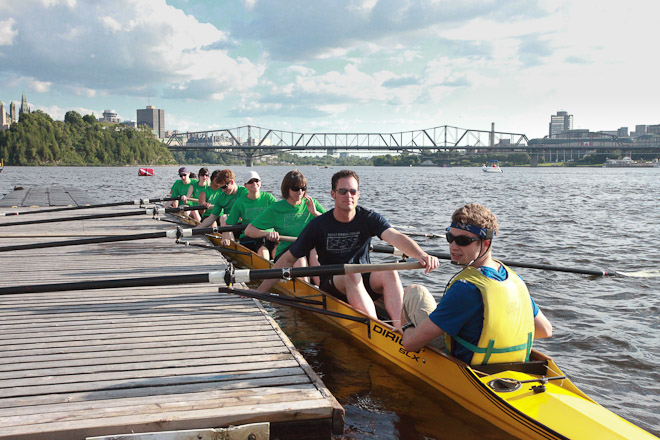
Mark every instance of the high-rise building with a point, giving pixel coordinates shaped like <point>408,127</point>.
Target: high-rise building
<point>154,118</point>
<point>24,105</point>
<point>13,116</point>
<point>4,124</point>
<point>560,122</point>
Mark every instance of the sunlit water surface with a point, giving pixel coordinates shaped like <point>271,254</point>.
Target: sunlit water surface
<point>605,329</point>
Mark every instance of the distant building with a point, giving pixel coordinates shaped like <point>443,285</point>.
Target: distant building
<point>129,123</point>
<point>110,116</point>
<point>622,132</point>
<point>13,116</point>
<point>154,118</point>
<point>653,129</point>
<point>25,108</point>
<point>4,120</point>
<point>560,122</point>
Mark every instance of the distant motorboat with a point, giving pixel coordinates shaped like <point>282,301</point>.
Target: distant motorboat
<point>492,166</point>
<point>2,165</point>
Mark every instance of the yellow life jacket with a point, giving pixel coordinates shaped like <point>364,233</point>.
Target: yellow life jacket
<point>508,328</point>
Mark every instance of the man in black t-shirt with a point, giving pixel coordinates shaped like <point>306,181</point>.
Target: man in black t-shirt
<point>343,235</point>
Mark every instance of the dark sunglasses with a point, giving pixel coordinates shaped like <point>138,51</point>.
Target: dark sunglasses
<point>253,181</point>
<point>182,175</point>
<point>461,240</point>
<point>202,175</point>
<point>343,191</point>
<point>296,189</point>
<point>225,185</point>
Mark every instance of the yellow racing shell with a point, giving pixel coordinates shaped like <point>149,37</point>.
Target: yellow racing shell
<point>508,329</point>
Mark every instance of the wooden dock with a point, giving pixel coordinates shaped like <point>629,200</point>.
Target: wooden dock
<point>107,362</point>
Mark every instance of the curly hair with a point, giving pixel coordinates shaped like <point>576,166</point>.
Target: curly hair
<point>477,215</point>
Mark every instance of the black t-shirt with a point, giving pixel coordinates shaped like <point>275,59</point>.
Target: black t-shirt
<point>340,243</point>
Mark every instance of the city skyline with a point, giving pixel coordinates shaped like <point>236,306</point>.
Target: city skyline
<point>341,66</point>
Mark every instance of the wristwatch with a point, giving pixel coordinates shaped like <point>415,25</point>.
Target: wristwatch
<point>406,326</point>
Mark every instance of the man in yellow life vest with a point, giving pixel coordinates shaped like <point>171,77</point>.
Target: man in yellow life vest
<point>486,314</point>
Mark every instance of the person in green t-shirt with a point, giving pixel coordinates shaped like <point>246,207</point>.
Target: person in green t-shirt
<point>196,189</point>
<point>247,208</point>
<point>226,180</point>
<point>288,217</point>
<point>180,189</point>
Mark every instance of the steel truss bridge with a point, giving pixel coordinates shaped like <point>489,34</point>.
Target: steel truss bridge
<point>251,142</point>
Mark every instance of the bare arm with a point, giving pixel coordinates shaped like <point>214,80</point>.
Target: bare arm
<point>254,232</point>
<point>542,327</point>
<point>409,247</point>
<point>208,221</point>
<point>286,260</point>
<point>417,337</point>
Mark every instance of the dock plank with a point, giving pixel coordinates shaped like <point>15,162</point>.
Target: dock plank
<point>113,361</point>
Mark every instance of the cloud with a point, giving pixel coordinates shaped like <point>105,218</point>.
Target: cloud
<point>126,46</point>
<point>288,31</point>
<point>7,32</point>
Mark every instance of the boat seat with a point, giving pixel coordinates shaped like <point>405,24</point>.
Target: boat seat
<point>532,367</point>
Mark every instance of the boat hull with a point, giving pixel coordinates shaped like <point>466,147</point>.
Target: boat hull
<point>561,411</point>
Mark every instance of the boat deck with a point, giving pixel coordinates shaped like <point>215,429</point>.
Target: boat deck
<point>117,361</point>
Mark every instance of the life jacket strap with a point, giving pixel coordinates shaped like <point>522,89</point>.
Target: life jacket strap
<point>490,349</point>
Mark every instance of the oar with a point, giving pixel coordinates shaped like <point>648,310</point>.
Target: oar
<point>228,277</point>
<point>177,233</point>
<point>102,205</point>
<point>154,211</point>
<point>601,273</point>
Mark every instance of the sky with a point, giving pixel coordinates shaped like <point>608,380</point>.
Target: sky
<point>337,65</point>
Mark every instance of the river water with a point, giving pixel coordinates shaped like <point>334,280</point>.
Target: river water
<point>606,330</point>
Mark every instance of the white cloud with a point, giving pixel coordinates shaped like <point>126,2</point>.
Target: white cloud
<point>125,46</point>
<point>7,32</point>
<point>39,86</point>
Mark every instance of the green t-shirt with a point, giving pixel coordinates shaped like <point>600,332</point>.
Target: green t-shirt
<point>245,209</point>
<point>181,189</point>
<point>223,202</point>
<point>211,197</point>
<point>286,219</point>
<point>197,190</point>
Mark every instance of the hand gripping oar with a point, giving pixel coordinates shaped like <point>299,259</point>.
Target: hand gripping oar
<point>228,277</point>
<point>177,233</point>
<point>102,205</point>
<point>154,211</point>
<point>601,273</point>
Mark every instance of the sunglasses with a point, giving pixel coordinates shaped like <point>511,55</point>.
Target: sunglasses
<point>253,181</point>
<point>343,191</point>
<point>202,175</point>
<point>182,175</point>
<point>296,189</point>
<point>225,185</point>
<point>461,240</point>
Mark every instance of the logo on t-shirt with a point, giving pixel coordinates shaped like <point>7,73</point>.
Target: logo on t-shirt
<point>340,242</point>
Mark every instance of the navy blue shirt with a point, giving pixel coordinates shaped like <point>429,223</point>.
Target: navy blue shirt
<point>340,243</point>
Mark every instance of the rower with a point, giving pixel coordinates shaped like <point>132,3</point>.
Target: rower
<point>226,181</point>
<point>180,188</point>
<point>342,235</point>
<point>486,314</point>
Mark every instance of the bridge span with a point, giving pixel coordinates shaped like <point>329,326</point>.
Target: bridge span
<point>251,142</point>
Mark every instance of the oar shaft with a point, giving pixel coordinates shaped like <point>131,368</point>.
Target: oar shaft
<point>243,276</point>
<point>116,284</point>
<point>174,233</point>
<point>101,205</point>
<point>391,250</point>
<point>106,215</point>
<point>227,276</point>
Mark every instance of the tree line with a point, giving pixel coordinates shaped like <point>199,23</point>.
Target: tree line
<point>36,139</point>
